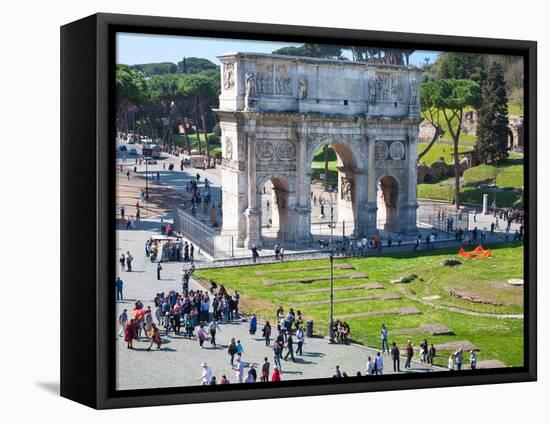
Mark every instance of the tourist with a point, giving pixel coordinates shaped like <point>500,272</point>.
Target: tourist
<point>122,320</point>
<point>240,348</point>
<point>379,363</point>
<point>290,348</point>
<point>201,336</point>
<point>129,332</point>
<point>213,380</point>
<point>252,372</point>
<point>252,326</point>
<point>155,337</point>
<point>166,321</point>
<point>410,353</point>
<point>277,352</point>
<point>276,250</point>
<point>276,376</point>
<point>458,359</point>
<point>122,210</point>
<point>192,252</point>
<point>384,335</point>
<point>300,337</point>
<point>122,262</point>
<point>265,371</point>
<point>451,365</point>
<point>232,350</point>
<point>255,254</point>
<point>431,355</point>
<point>159,268</point>
<point>370,366</point>
<point>266,333</point>
<point>206,375</point>
<point>213,328</point>
<point>239,370</point>
<point>473,360</point>
<point>423,351</point>
<point>129,260</point>
<point>224,380</point>
<point>119,284</point>
<point>338,373</point>
<point>282,253</point>
<point>395,357</point>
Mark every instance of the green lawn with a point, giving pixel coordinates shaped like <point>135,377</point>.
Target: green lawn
<point>439,150</point>
<point>515,109</point>
<point>500,339</point>
<point>318,165</point>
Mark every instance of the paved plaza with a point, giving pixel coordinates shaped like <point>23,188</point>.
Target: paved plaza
<point>178,362</point>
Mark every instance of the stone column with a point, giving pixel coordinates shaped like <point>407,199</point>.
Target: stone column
<point>253,212</point>
<point>302,221</point>
<point>372,188</point>
<point>408,201</point>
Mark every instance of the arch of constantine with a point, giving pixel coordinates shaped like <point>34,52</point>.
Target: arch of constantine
<point>276,112</point>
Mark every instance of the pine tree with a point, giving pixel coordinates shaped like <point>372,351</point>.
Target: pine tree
<point>492,123</point>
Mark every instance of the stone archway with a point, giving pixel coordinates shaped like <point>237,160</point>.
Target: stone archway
<point>349,187</point>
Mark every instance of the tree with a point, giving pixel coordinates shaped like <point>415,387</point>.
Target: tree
<point>492,124</point>
<point>430,111</point>
<point>204,88</point>
<point>131,89</point>
<point>452,65</point>
<point>152,69</point>
<point>195,65</point>
<point>452,96</point>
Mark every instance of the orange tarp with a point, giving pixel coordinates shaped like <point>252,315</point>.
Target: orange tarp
<point>477,252</point>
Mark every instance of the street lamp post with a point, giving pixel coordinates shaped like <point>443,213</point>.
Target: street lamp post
<point>331,211</point>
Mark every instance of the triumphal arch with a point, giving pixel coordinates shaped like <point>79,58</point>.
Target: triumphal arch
<point>277,111</point>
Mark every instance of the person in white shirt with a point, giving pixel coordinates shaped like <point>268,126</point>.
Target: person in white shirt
<point>206,375</point>
<point>300,336</point>
<point>379,364</point>
<point>451,365</point>
<point>473,360</point>
<point>239,370</point>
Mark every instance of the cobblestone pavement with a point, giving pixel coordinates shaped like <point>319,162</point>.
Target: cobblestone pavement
<point>178,362</point>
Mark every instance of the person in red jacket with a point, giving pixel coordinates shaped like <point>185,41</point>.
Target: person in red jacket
<point>276,376</point>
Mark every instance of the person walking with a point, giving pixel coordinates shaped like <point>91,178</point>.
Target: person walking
<point>252,326</point>
<point>129,260</point>
<point>290,348</point>
<point>266,333</point>
<point>159,268</point>
<point>255,254</point>
<point>122,211</point>
<point>410,353</point>
<point>379,364</point>
<point>384,336</point>
<point>451,365</point>
<point>370,366</point>
<point>239,370</point>
<point>206,375</point>
<point>119,285</point>
<point>122,320</point>
<point>122,262</point>
<point>265,371</point>
<point>300,337</point>
<point>201,335</point>
<point>232,350</point>
<point>431,355</point>
<point>129,332</point>
<point>213,328</point>
<point>395,357</point>
<point>473,360</point>
<point>276,376</point>
<point>458,359</point>
<point>277,353</point>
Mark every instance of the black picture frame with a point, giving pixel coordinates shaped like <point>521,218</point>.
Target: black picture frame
<point>87,199</point>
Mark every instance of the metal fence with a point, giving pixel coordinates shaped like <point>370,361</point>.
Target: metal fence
<point>223,245</point>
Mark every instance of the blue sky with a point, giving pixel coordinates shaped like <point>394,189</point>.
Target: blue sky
<point>145,48</point>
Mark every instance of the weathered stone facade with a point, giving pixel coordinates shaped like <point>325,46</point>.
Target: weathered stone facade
<point>276,112</point>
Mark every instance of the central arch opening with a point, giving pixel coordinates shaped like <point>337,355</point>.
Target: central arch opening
<point>332,192</point>
<point>275,199</point>
<point>388,204</point>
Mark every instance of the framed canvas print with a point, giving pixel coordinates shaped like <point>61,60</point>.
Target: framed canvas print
<point>260,211</point>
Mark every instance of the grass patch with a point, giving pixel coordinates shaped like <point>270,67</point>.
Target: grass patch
<point>440,150</point>
<point>193,140</point>
<point>500,339</point>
